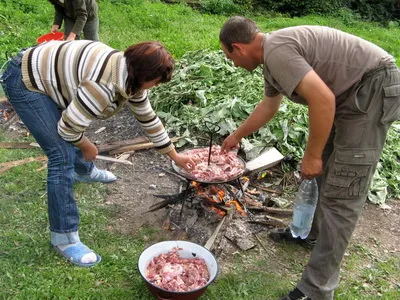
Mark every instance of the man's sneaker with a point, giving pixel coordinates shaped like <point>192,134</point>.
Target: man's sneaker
<point>96,175</point>
<point>284,235</point>
<point>296,294</point>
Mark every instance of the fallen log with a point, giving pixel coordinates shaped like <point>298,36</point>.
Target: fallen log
<point>118,144</point>
<point>14,145</point>
<point>11,164</point>
<point>141,146</point>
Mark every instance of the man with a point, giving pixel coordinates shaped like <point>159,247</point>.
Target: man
<point>352,90</point>
<point>78,16</point>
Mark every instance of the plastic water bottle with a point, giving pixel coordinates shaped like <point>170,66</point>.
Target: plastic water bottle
<point>304,208</point>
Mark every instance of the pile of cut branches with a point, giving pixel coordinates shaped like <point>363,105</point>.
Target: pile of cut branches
<point>207,87</point>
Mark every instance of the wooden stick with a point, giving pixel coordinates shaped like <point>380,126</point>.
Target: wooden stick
<point>270,222</point>
<point>272,210</point>
<point>11,164</point>
<point>141,146</point>
<point>119,144</point>
<point>260,242</point>
<point>12,145</point>
<point>212,238</point>
<point>114,160</point>
<point>217,247</point>
<point>123,157</point>
<point>266,189</point>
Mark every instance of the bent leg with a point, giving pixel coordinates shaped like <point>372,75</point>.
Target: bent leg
<point>91,30</point>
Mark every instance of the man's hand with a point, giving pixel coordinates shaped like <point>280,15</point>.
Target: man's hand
<point>230,143</point>
<point>54,28</point>
<point>311,166</point>
<point>71,37</point>
<point>88,149</point>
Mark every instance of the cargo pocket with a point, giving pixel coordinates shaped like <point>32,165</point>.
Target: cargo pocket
<point>349,175</point>
<point>391,104</point>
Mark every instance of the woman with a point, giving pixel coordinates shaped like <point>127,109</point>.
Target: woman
<point>78,16</point>
<point>58,89</point>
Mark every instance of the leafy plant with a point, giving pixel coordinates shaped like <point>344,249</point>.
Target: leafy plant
<point>207,87</point>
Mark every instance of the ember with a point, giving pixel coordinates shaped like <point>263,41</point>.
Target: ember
<point>174,273</point>
<point>219,197</point>
<point>6,110</point>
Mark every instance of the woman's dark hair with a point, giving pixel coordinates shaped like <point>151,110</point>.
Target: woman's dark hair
<point>145,62</point>
<point>238,30</point>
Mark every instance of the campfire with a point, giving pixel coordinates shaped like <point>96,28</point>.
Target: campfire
<point>213,214</point>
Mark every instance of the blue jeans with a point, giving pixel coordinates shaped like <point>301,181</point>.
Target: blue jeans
<point>40,115</point>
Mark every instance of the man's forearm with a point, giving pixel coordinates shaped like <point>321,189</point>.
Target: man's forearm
<point>320,125</point>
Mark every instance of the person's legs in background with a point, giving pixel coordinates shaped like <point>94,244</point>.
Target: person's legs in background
<point>68,26</point>
<point>91,30</point>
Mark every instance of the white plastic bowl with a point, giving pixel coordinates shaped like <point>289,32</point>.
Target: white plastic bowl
<point>189,250</point>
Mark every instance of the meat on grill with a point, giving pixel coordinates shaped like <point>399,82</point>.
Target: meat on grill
<point>174,273</point>
<point>223,166</point>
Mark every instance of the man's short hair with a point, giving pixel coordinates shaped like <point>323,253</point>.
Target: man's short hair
<point>238,30</point>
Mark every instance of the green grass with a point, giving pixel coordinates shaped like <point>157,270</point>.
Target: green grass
<point>30,269</point>
<point>180,28</point>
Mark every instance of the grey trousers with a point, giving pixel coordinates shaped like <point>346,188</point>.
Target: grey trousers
<point>350,159</point>
<point>90,30</point>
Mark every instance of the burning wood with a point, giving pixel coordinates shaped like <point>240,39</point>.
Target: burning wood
<point>222,215</point>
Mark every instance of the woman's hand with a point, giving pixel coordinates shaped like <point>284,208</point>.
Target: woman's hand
<point>185,162</point>
<point>182,161</point>
<point>88,149</point>
<point>54,28</point>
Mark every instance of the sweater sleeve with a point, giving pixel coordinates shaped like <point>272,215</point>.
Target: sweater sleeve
<point>58,15</point>
<point>140,106</point>
<point>93,100</point>
<point>81,14</point>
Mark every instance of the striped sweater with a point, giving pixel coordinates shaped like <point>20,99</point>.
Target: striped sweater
<point>87,80</point>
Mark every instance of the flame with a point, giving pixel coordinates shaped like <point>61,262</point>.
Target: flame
<point>218,211</point>
<point>237,206</point>
<point>214,194</point>
<point>195,184</point>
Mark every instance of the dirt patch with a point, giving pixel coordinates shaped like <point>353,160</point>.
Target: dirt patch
<point>133,193</point>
